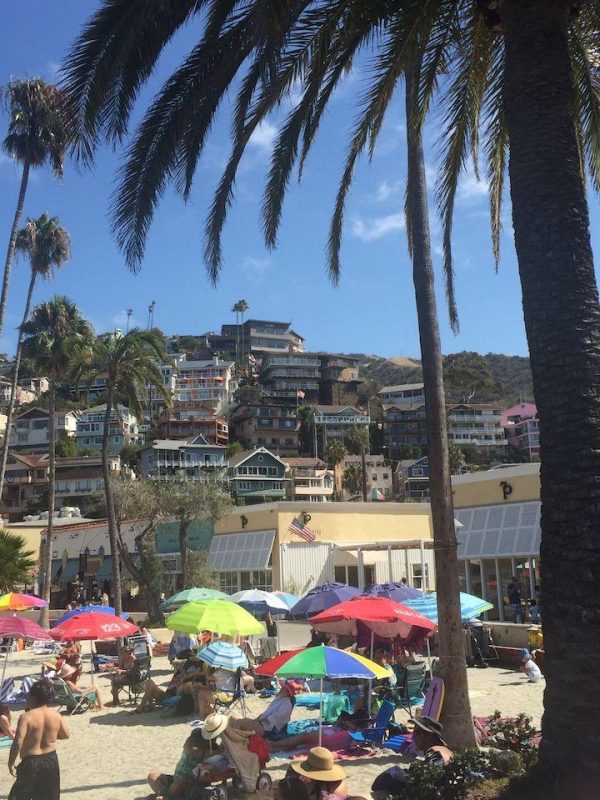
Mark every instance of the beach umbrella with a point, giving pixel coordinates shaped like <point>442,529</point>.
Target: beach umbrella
<point>88,609</point>
<point>91,626</point>
<point>399,592</point>
<point>470,606</point>
<point>322,597</point>
<point>329,662</point>
<point>224,655</point>
<point>380,615</point>
<point>16,601</point>
<point>217,616</point>
<point>289,599</point>
<point>258,602</point>
<point>13,627</point>
<point>192,595</point>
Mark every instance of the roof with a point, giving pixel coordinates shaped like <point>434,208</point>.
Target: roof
<point>404,406</point>
<point>102,407</point>
<point>239,458</point>
<point>305,462</point>
<point>37,460</point>
<point>401,387</point>
<point>177,444</point>
<point>334,409</point>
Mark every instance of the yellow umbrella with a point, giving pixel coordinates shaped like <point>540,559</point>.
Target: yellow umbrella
<point>216,616</point>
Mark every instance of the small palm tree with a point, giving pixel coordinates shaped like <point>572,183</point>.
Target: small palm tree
<point>352,480</point>
<point>306,415</point>
<point>52,339</point>
<point>16,563</point>
<point>241,307</point>
<point>335,454</point>
<point>129,362</point>
<point>48,247</point>
<point>36,136</point>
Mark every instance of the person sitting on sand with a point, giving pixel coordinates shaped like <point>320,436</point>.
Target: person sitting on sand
<point>221,685</point>
<point>529,667</point>
<point>183,683</point>
<point>272,723</point>
<point>316,778</point>
<point>194,751</point>
<point>66,673</point>
<point>123,672</point>
<point>5,720</point>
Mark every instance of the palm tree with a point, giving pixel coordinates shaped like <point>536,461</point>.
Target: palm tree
<point>308,434</point>
<point>52,338</point>
<point>47,246</point>
<point>236,310</point>
<point>243,306</point>
<point>16,563</point>
<point>523,72</point>
<point>352,480</point>
<point>129,362</point>
<point>335,455</point>
<point>36,136</point>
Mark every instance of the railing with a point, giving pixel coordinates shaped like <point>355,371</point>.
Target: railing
<point>331,419</point>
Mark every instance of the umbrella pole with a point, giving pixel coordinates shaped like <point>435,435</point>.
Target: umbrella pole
<point>428,655</point>
<point>92,660</point>
<point>321,714</point>
<point>370,685</point>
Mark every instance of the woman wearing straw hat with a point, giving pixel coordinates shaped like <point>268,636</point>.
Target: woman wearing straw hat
<point>317,778</point>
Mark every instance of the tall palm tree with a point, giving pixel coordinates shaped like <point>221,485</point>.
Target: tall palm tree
<point>242,308</point>
<point>47,246</point>
<point>522,71</point>
<point>52,339</point>
<point>36,136</point>
<point>305,414</point>
<point>236,310</point>
<point>129,362</point>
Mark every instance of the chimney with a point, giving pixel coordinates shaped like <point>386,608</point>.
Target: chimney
<point>216,361</point>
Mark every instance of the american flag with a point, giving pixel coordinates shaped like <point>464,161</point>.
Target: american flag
<point>298,527</point>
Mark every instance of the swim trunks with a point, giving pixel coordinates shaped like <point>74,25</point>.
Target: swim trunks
<point>38,778</point>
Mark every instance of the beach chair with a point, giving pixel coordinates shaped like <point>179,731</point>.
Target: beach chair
<point>7,690</point>
<point>413,687</point>
<point>434,699</point>
<point>377,731</point>
<point>133,683</point>
<point>74,703</point>
<point>238,698</point>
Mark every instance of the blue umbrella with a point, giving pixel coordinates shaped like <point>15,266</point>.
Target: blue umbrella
<point>224,655</point>
<point>398,592</point>
<point>256,601</point>
<point>470,606</point>
<point>289,599</point>
<point>87,610</point>
<point>321,598</point>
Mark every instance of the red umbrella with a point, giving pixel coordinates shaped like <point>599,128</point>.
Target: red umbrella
<point>93,626</point>
<point>382,616</point>
<point>20,628</point>
<point>271,666</point>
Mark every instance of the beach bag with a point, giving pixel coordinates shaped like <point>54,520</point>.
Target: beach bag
<point>389,783</point>
<point>258,746</point>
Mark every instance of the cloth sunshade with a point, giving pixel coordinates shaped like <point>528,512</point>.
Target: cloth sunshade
<point>216,616</point>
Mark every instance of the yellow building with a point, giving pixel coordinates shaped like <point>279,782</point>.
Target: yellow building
<point>499,537</point>
<point>264,546</point>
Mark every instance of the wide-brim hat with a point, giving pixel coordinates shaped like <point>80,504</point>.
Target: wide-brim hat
<point>320,766</point>
<point>292,687</point>
<point>431,726</point>
<point>214,725</point>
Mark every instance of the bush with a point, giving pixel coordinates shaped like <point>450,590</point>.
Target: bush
<point>517,735</point>
<point>426,781</point>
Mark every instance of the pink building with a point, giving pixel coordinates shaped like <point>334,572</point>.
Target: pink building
<point>521,426</point>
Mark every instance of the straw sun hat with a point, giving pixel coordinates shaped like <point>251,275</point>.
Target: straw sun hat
<point>320,766</point>
<point>214,725</point>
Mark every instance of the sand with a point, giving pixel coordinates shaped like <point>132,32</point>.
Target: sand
<point>111,752</point>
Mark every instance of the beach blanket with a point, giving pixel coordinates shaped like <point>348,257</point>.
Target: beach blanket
<point>7,690</point>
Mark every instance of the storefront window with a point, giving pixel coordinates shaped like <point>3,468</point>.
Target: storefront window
<point>491,587</point>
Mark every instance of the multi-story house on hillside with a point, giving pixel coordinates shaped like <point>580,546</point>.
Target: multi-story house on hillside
<point>334,422</point>
<point>29,430</point>
<point>403,394</point>
<point>204,381</point>
<point>123,428</point>
<point>290,378</point>
<point>522,429</point>
<point>272,425</point>
<point>257,476</point>
<point>309,480</point>
<point>194,460</point>
<point>339,382</point>
<point>186,419</point>
<point>380,475</point>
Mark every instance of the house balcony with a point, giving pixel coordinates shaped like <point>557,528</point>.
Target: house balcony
<point>331,419</point>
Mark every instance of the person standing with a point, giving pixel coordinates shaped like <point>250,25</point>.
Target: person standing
<point>38,729</point>
<point>514,599</point>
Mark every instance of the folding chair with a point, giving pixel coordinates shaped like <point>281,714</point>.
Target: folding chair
<point>376,733</point>
<point>413,686</point>
<point>238,697</point>
<point>74,703</point>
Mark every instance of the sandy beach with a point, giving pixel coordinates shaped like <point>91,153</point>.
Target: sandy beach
<point>111,752</point>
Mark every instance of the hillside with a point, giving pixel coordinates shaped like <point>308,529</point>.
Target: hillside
<point>511,375</point>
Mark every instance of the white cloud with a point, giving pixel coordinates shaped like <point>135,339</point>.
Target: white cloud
<point>471,190</point>
<point>264,136</point>
<point>256,268</point>
<point>120,321</point>
<point>53,68</point>
<point>386,189</point>
<point>375,228</point>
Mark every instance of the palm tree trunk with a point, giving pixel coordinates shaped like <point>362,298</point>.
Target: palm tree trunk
<point>457,717</point>
<point>45,612</point>
<point>15,380</point>
<point>110,507</point>
<point>183,531</point>
<point>10,252</point>
<point>562,320</point>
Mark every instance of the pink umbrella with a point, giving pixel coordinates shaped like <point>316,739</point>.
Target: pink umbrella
<point>19,628</point>
<point>91,626</point>
<point>17,601</point>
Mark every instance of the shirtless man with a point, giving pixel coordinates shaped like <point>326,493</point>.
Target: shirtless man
<point>38,728</point>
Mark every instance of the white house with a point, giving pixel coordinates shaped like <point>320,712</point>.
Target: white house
<point>123,428</point>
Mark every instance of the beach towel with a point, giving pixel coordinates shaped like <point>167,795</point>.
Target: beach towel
<point>246,763</point>
<point>7,690</point>
<point>5,741</point>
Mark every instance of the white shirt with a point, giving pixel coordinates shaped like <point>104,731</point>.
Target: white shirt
<point>224,680</point>
<point>277,715</point>
<point>532,670</point>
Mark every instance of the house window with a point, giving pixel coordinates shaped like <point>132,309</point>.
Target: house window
<point>385,476</point>
<point>417,576</point>
<point>272,470</point>
<point>22,437</point>
<point>417,472</point>
<point>374,479</point>
<point>277,485</point>
<point>243,486</point>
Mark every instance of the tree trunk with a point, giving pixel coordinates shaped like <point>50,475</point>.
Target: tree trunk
<point>562,320</point>
<point>363,474</point>
<point>15,379</point>
<point>457,717</point>
<point>183,531</point>
<point>45,612</point>
<point>10,252</point>
<point>110,507</point>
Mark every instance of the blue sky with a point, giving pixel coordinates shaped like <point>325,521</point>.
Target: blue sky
<point>371,311</point>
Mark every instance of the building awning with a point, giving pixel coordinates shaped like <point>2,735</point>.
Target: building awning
<point>499,531</point>
<point>241,551</point>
